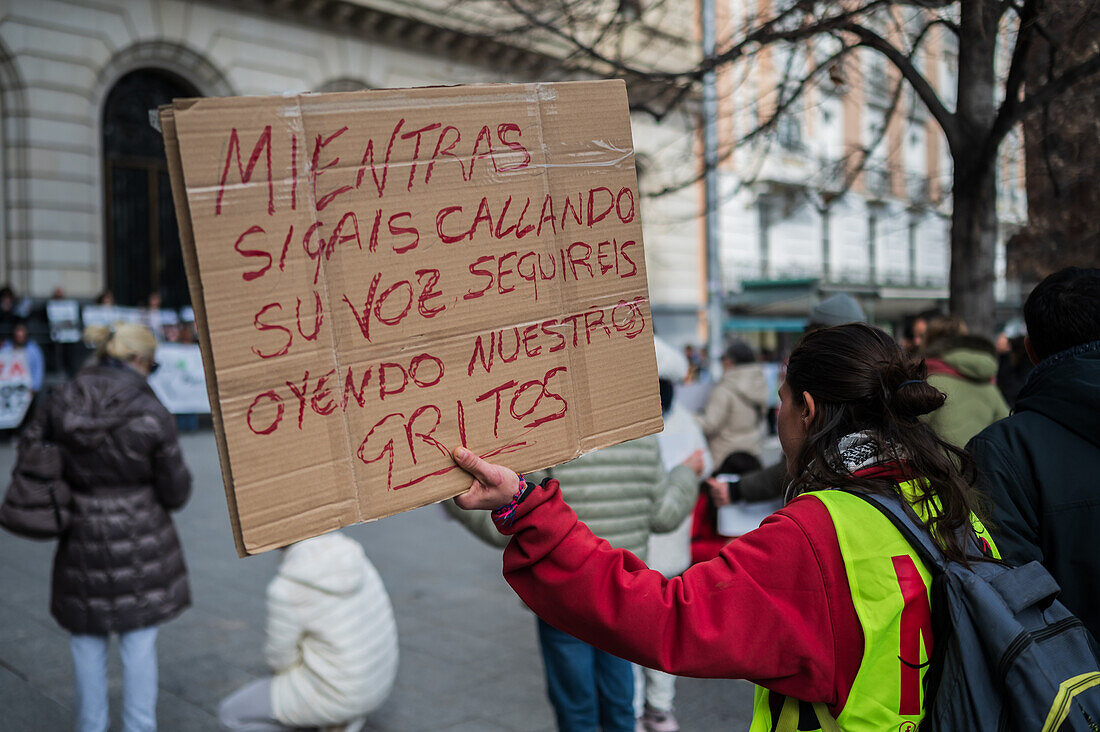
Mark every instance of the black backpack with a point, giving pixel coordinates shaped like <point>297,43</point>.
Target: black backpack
<point>1007,655</point>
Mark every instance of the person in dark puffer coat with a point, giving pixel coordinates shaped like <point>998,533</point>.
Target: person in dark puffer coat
<point>119,568</point>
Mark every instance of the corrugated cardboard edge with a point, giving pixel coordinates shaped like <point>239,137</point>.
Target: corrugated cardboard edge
<point>194,285</point>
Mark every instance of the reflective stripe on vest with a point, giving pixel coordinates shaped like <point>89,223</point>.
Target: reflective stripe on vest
<point>891,592</point>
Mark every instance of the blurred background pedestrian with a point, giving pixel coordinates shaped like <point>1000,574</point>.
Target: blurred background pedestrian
<point>964,367</point>
<point>624,494</point>
<point>670,553</point>
<point>119,568</point>
<point>733,416</point>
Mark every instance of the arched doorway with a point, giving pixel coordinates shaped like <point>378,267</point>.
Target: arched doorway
<point>143,249</point>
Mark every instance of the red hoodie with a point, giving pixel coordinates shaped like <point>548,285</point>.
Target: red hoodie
<point>774,607</point>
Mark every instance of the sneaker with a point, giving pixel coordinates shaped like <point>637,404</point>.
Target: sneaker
<point>658,721</point>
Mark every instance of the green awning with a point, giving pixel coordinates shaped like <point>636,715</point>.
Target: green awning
<point>751,323</point>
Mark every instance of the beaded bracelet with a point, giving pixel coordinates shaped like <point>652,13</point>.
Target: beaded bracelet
<point>504,515</point>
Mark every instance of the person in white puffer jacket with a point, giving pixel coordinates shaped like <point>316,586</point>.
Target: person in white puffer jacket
<point>331,643</point>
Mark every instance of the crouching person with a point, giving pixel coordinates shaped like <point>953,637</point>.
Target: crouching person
<point>331,643</point>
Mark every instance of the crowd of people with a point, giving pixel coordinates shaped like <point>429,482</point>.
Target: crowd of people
<point>29,324</point>
<point>806,605</point>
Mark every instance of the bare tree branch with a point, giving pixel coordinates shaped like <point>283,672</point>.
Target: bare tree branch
<point>947,120</point>
<point>1013,111</point>
<point>851,172</point>
<point>1028,19</point>
<point>783,106</point>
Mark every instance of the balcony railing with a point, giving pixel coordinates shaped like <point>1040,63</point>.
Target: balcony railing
<point>877,181</point>
<point>831,174</point>
<point>918,189</point>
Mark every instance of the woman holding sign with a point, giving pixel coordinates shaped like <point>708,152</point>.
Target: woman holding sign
<point>119,567</point>
<point>779,606</point>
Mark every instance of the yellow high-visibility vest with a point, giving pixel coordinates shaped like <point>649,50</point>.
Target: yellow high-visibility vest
<point>890,589</point>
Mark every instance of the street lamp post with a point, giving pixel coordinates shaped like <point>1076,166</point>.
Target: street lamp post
<point>715,290</point>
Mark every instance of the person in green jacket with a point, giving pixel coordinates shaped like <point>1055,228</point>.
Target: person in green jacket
<point>964,367</point>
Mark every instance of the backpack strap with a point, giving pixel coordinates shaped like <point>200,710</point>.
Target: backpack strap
<point>789,715</point>
<point>894,508</point>
<point>901,515</point>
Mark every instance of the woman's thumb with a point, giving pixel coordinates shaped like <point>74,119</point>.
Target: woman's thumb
<point>469,462</point>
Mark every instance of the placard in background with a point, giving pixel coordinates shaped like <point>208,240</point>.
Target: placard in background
<point>15,389</point>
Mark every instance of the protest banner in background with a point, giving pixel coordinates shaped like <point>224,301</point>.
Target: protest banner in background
<point>108,315</point>
<point>15,389</point>
<point>381,276</point>
<point>179,381</point>
<point>64,320</point>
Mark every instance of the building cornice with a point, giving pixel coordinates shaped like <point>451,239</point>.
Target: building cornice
<point>452,30</point>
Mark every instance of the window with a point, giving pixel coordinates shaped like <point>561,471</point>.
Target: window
<point>143,249</point>
<point>789,131</point>
<point>878,82</point>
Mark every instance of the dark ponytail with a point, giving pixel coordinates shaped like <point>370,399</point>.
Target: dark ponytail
<point>861,380</point>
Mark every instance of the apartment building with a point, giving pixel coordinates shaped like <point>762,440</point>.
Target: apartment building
<point>849,190</point>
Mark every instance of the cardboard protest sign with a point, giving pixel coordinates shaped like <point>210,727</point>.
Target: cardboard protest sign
<point>380,276</point>
<point>15,388</point>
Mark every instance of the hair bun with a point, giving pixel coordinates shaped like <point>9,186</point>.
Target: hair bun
<point>913,397</point>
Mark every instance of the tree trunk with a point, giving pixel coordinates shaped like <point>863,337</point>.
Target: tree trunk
<point>974,191</point>
<point>973,249</point>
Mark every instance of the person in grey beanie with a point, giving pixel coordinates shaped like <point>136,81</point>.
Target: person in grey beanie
<point>836,309</point>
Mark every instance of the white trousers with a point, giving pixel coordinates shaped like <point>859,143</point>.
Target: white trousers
<point>652,687</point>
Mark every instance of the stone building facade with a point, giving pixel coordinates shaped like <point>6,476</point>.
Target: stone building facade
<point>85,204</point>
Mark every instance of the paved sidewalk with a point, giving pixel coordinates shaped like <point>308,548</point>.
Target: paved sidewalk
<point>469,656</point>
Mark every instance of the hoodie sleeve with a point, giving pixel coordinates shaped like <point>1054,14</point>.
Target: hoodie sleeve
<point>765,484</point>
<point>676,497</point>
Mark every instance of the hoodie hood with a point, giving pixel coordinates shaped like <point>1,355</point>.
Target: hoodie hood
<point>331,563</point>
<point>971,357</point>
<point>1066,388</point>
<point>748,382</point>
<point>98,402</point>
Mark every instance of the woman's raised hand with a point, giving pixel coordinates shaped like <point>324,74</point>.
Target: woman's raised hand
<point>695,462</point>
<point>493,486</point>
